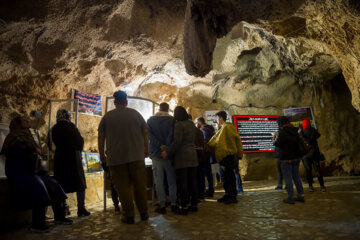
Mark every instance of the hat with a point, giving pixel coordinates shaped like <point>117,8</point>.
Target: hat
<point>120,97</point>
<point>306,124</point>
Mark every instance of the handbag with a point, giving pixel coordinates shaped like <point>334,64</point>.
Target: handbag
<point>41,164</point>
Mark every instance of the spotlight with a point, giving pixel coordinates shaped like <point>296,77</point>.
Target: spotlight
<point>213,101</point>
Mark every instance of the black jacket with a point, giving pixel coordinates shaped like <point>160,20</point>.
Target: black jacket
<point>311,135</point>
<point>68,169</point>
<point>287,143</point>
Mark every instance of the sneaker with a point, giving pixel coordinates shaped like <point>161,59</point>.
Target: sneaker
<point>299,199</point>
<point>288,201</point>
<point>192,209</point>
<point>83,212</point>
<point>231,200</point>
<point>144,216</point>
<point>311,189</point>
<point>117,209</point>
<point>128,220</point>
<point>225,197</point>
<point>40,229</point>
<point>278,187</point>
<point>240,190</point>
<point>63,221</point>
<point>161,210</point>
<point>323,188</point>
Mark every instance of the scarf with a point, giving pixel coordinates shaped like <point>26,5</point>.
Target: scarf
<point>15,136</point>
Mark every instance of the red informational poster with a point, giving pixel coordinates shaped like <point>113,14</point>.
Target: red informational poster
<point>255,132</point>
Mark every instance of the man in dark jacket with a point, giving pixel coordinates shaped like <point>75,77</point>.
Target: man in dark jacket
<point>160,129</point>
<point>205,165</point>
<point>287,141</point>
<point>68,169</point>
<point>311,135</point>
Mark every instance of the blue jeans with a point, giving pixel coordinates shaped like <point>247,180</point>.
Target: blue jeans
<point>291,173</point>
<point>160,166</point>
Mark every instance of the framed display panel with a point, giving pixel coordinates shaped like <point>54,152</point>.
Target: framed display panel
<point>93,162</point>
<point>89,104</point>
<point>297,115</point>
<point>256,132</point>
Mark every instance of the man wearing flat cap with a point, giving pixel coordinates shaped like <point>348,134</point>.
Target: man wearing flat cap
<point>127,145</point>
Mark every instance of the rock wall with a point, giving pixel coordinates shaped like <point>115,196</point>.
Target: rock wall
<point>49,47</point>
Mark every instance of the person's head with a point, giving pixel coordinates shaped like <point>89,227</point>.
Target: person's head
<point>200,122</point>
<point>63,115</point>
<point>221,117</point>
<point>120,98</point>
<point>180,114</point>
<point>281,121</point>
<point>164,107</point>
<point>19,122</point>
<point>306,124</point>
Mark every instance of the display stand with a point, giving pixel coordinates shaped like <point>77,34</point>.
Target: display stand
<point>146,108</point>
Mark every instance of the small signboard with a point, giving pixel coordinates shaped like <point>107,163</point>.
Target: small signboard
<point>93,162</point>
<point>297,115</point>
<point>88,103</point>
<point>210,117</point>
<point>255,132</point>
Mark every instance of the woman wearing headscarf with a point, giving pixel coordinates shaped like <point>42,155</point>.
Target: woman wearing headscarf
<point>311,135</point>
<point>183,154</point>
<point>31,188</point>
<point>68,169</point>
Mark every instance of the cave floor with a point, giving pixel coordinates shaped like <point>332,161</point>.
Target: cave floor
<point>260,214</point>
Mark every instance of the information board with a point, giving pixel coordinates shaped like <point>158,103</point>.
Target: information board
<point>297,115</point>
<point>255,132</point>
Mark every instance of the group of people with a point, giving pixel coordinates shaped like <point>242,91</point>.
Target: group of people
<point>31,186</point>
<point>288,154</point>
<point>181,154</point>
<point>181,151</point>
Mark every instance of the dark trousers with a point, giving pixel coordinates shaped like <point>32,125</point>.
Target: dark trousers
<point>129,180</point>
<point>114,196</point>
<point>291,173</point>
<point>80,197</point>
<point>308,163</point>
<point>237,174</point>
<point>228,164</point>
<point>186,180</point>
<point>38,213</point>
<point>204,171</point>
<point>279,172</point>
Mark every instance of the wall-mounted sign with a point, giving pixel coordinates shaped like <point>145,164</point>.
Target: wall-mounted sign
<point>210,117</point>
<point>88,103</point>
<point>255,132</point>
<point>297,115</point>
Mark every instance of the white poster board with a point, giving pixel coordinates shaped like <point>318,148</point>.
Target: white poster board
<point>210,117</point>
